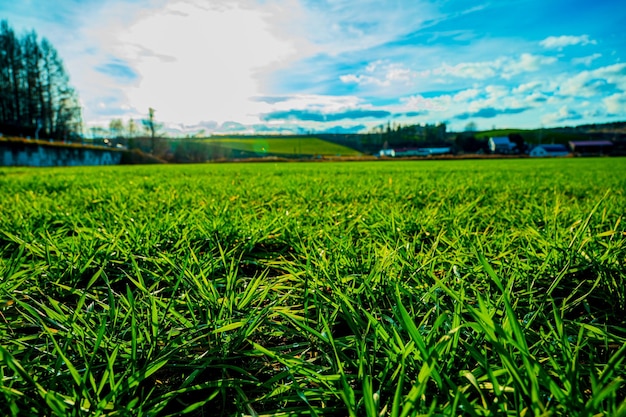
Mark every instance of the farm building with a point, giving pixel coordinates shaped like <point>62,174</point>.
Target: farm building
<point>549,151</point>
<point>436,151</point>
<point>591,147</point>
<point>400,152</point>
<point>500,144</point>
<point>409,152</point>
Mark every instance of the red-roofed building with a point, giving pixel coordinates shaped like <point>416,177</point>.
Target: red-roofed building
<point>591,147</point>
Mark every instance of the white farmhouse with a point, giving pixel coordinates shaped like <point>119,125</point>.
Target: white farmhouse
<point>549,151</point>
<point>500,144</point>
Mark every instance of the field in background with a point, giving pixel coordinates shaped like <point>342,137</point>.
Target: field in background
<point>283,146</point>
<point>492,287</point>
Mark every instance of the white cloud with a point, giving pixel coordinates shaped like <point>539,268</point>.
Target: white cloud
<point>215,55</point>
<point>357,79</point>
<point>505,67</point>
<point>529,86</point>
<point>465,95</point>
<point>398,73</point>
<point>591,83</point>
<point>494,96</point>
<point>194,60</point>
<point>559,42</point>
<point>497,91</point>
<point>586,60</point>
<point>616,103</point>
<point>474,70</point>
<point>469,101</point>
<point>319,103</point>
<point>562,115</point>
<point>340,26</point>
<point>419,102</point>
<point>529,63</point>
<point>535,97</point>
<point>382,74</point>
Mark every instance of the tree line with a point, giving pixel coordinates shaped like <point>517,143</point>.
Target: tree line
<point>393,135</point>
<point>36,98</point>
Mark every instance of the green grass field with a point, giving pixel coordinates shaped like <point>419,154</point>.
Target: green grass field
<point>491,287</point>
<point>282,146</point>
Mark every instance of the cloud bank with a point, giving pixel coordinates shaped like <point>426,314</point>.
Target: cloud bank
<point>300,65</point>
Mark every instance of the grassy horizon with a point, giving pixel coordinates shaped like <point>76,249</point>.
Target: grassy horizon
<point>295,145</point>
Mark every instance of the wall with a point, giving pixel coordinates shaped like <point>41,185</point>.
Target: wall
<point>37,155</point>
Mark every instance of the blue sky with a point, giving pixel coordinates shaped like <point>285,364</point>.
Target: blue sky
<point>338,65</point>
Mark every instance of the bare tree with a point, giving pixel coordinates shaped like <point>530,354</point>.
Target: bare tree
<point>116,128</point>
<point>152,127</point>
<point>131,128</point>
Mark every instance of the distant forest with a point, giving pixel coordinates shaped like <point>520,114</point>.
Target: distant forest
<point>36,98</point>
